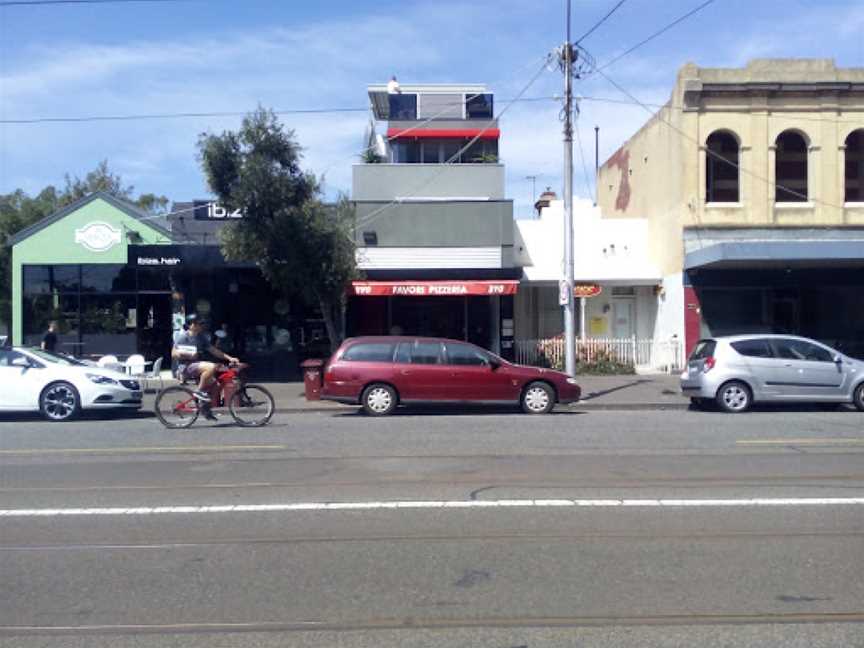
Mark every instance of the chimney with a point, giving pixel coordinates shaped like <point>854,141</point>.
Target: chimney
<point>545,198</point>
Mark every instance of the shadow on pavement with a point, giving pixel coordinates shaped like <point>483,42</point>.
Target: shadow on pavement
<point>778,408</point>
<point>612,390</point>
<point>14,417</point>
<point>457,410</point>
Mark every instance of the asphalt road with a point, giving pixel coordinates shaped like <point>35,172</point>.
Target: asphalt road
<point>645,528</point>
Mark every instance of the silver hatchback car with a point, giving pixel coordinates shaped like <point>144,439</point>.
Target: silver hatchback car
<point>739,370</point>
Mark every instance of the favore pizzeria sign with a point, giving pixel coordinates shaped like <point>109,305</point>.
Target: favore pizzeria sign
<point>432,288</point>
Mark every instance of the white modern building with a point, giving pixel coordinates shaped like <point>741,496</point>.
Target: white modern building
<point>631,313</point>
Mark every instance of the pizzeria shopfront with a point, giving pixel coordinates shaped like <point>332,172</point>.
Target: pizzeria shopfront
<point>478,311</point>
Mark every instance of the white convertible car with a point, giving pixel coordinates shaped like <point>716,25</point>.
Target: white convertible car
<point>32,380</point>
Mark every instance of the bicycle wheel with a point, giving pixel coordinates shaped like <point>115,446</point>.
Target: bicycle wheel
<point>176,407</point>
<point>252,406</point>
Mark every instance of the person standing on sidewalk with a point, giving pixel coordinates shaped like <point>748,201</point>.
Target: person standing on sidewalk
<point>49,341</point>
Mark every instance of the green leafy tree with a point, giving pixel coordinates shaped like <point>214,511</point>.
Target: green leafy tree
<point>302,246</point>
<point>19,210</point>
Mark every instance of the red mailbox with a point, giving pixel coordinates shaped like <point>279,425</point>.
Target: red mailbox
<point>313,378</point>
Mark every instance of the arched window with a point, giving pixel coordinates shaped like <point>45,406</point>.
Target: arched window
<point>790,171</point>
<point>721,169</point>
<point>855,166</point>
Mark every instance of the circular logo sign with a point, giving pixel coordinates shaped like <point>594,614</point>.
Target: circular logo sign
<point>97,237</point>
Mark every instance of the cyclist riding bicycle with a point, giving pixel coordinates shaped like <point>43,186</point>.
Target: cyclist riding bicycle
<point>191,346</point>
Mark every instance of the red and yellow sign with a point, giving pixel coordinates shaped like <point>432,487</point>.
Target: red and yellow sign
<point>587,290</point>
<point>432,288</point>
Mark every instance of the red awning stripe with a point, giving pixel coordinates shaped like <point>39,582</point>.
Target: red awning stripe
<point>467,133</point>
<point>433,288</point>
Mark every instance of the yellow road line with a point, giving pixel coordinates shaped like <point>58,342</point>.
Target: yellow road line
<point>799,441</point>
<point>138,449</point>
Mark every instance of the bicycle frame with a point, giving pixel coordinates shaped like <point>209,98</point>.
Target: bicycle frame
<point>228,381</point>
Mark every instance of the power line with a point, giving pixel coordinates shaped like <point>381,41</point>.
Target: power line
<point>584,165</point>
<point>186,115</point>
<point>179,115</point>
<point>655,35</point>
<point>599,22</point>
<point>27,3</point>
<point>670,106</point>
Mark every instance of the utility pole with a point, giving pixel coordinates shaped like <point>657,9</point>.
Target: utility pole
<point>569,304</point>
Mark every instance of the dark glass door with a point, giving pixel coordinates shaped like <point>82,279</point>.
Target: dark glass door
<point>154,327</point>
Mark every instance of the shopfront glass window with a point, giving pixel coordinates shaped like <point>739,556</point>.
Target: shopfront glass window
<point>256,339</point>
<point>37,280</point>
<point>40,310</point>
<point>67,278</point>
<point>108,278</point>
<point>108,322</point>
<point>155,278</point>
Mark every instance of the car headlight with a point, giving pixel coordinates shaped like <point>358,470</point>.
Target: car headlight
<point>572,381</point>
<point>101,380</point>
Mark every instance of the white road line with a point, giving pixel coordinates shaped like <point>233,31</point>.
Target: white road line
<point>435,504</point>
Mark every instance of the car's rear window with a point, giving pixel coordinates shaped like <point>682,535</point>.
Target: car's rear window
<point>704,349</point>
<point>370,352</point>
<point>754,348</point>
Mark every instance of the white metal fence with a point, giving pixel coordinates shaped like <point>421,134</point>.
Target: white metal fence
<point>659,355</point>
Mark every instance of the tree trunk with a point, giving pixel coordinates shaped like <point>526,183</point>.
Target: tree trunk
<point>332,323</point>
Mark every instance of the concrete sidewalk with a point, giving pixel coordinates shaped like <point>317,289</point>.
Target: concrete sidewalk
<point>625,392</point>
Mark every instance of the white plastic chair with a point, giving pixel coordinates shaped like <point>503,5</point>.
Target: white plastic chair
<point>108,361</point>
<point>135,365</point>
<point>154,374</point>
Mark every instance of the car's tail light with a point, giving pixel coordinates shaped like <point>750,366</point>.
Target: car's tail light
<point>708,365</point>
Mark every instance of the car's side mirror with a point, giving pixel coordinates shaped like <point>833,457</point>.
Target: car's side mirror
<point>494,365</point>
<point>838,359</point>
<point>21,362</point>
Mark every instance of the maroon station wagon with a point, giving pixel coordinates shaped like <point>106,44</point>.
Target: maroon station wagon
<point>380,373</point>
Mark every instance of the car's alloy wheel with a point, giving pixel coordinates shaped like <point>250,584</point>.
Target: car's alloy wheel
<point>59,402</point>
<point>734,397</point>
<point>858,398</point>
<point>538,399</point>
<point>379,400</point>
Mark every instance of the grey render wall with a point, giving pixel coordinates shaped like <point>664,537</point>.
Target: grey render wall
<point>390,181</point>
<point>437,224</point>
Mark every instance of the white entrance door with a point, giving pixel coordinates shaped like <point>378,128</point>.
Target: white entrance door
<point>623,318</point>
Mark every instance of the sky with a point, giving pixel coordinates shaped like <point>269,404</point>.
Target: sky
<point>193,56</point>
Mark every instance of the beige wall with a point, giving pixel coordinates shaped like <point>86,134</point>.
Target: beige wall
<point>664,164</point>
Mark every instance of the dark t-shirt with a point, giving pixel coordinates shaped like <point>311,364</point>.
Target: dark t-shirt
<point>201,342</point>
<point>50,341</point>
